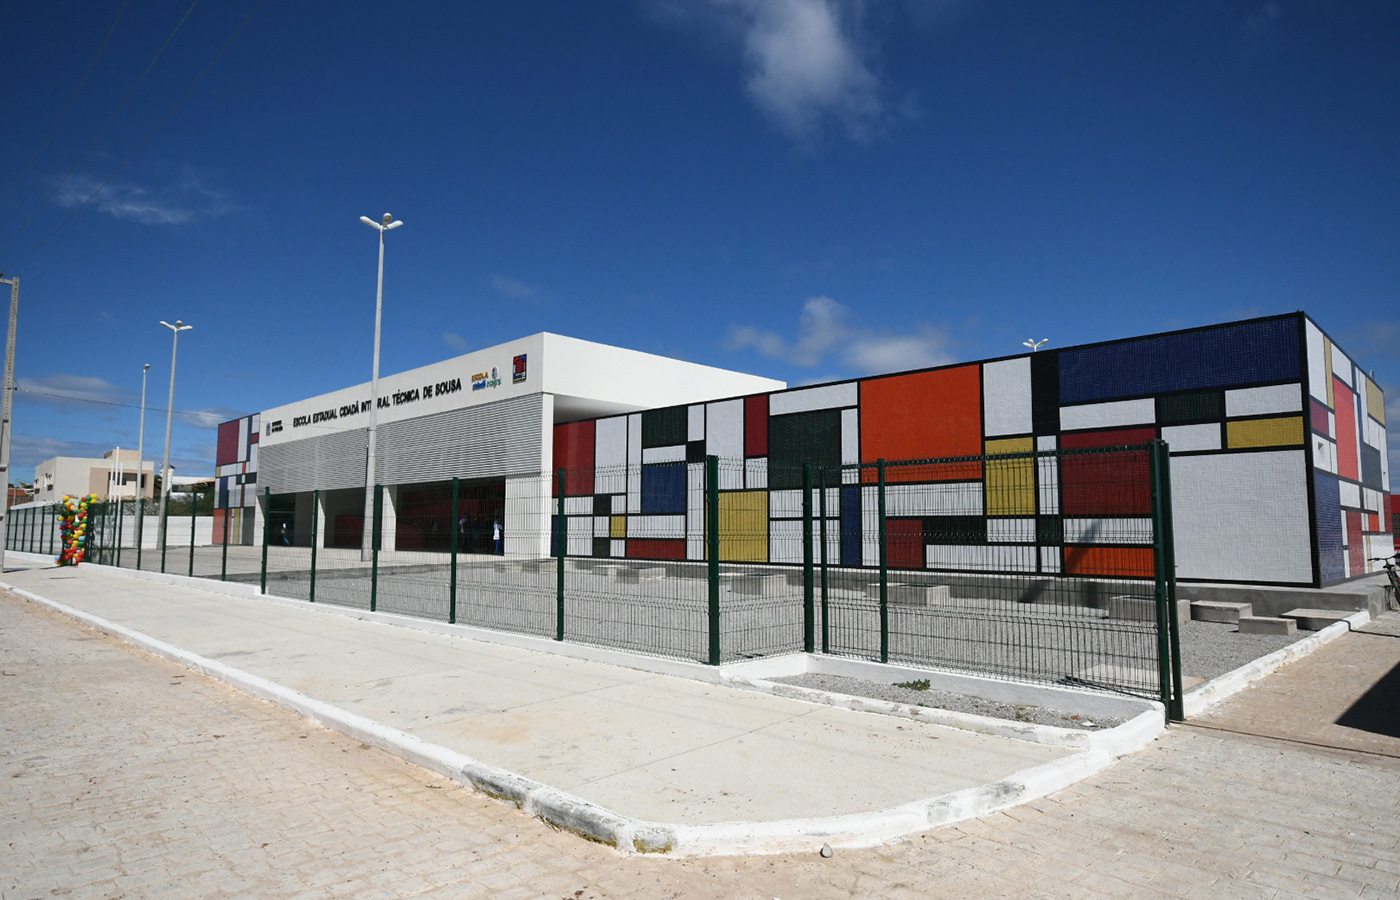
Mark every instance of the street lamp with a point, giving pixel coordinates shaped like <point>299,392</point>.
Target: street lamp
<point>366,540</point>
<point>169,414</point>
<point>1034,344</point>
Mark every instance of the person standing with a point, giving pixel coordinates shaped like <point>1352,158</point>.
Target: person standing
<point>496,537</point>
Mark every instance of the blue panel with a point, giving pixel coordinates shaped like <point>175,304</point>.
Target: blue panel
<point>1327,495</point>
<point>663,489</point>
<point>1221,357</point>
<point>850,525</point>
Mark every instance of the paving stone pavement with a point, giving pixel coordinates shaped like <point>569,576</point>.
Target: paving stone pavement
<point>123,775</point>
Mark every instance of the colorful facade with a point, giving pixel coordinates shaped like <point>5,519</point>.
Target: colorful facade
<point>1279,463</point>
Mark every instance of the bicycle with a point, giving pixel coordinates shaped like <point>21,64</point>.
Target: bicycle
<point>1393,573</point>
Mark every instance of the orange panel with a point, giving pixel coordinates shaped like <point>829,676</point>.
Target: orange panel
<point>923,415</point>
<point>1123,562</point>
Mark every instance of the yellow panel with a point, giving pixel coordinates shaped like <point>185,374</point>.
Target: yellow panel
<point>618,527</point>
<point>743,526</point>
<point>1327,357</point>
<point>1375,401</point>
<point>1010,482</point>
<point>1283,432</point>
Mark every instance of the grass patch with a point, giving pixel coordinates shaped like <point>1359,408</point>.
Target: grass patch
<point>920,685</point>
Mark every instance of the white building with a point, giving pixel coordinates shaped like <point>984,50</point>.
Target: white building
<point>111,477</point>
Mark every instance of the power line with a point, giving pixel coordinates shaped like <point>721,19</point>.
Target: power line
<point>168,113</point>
<point>103,131</point>
<point>66,107</point>
<point>76,399</point>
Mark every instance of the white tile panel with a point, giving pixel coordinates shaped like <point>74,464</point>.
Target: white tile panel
<point>948,498</point>
<point>1108,531</point>
<point>1006,396</point>
<point>833,502</point>
<point>695,511</point>
<point>1046,442</point>
<point>695,423</point>
<point>1263,401</point>
<point>578,506</point>
<point>1351,494</point>
<point>1015,531</point>
<point>785,504</point>
<point>1050,559</point>
<point>1185,438</point>
<point>580,540</point>
<point>655,527</point>
<point>1324,454</point>
<point>619,548</point>
<point>785,541</point>
<point>724,429</point>
<point>1317,363</point>
<point>610,443</point>
<point>634,462</point>
<point>1378,545</point>
<point>1342,368</point>
<point>850,436</point>
<point>756,473</point>
<point>1003,558</point>
<point>1048,485</point>
<point>831,396</point>
<point>1373,433</point>
<point>663,454</point>
<point>850,476</point>
<point>1108,415</point>
<point>1370,500</point>
<point>869,525</point>
<point>602,526</point>
<point>1242,517</point>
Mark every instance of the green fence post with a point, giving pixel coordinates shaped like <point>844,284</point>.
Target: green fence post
<point>194,521</point>
<point>1159,560</point>
<point>712,551</point>
<point>121,521</point>
<point>315,520</point>
<point>267,510</point>
<point>821,512</point>
<point>140,520</point>
<point>456,537</point>
<point>223,562</point>
<point>809,613</point>
<point>374,543</point>
<point>164,535</point>
<point>1173,623</point>
<point>561,530</point>
<point>884,574</point>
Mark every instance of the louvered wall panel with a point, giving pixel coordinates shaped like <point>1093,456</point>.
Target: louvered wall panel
<point>327,462</point>
<point>476,442</point>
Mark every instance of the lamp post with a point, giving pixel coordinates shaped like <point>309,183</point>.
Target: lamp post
<point>7,390</point>
<point>169,415</point>
<point>367,539</point>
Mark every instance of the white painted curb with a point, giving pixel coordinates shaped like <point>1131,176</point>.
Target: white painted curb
<point>630,835</point>
<point>1204,696</point>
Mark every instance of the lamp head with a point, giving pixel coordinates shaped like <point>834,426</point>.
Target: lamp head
<point>368,221</point>
<point>387,219</point>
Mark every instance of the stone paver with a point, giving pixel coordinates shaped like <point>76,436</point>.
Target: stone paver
<point>123,775</point>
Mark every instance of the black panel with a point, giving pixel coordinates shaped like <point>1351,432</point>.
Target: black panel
<point>665,427</point>
<point>695,451</point>
<point>1049,530</point>
<point>1191,408</point>
<point>1045,392</point>
<point>602,504</point>
<point>799,438</point>
<point>1371,467</point>
<point>602,547</point>
<point>955,530</point>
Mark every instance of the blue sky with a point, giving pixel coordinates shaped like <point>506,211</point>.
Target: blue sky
<point>804,189</point>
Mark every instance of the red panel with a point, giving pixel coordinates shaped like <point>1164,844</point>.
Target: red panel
<point>922,415</point>
<point>1109,483</point>
<point>1346,431</point>
<point>573,451</point>
<point>904,543</point>
<point>1126,562</point>
<point>1319,419</point>
<point>756,426</point>
<point>1373,523</point>
<point>1356,551</point>
<point>228,448</point>
<point>656,549</point>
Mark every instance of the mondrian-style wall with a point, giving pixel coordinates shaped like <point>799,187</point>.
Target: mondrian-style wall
<point>236,463</point>
<point>1255,499</point>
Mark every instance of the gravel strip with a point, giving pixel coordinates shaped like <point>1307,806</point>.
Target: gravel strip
<point>953,702</point>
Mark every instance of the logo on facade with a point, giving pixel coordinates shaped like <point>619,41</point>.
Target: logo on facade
<point>518,375</point>
<point>274,427</point>
<point>483,380</point>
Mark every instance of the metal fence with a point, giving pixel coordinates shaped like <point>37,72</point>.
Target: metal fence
<point>1052,566</point>
<point>33,529</point>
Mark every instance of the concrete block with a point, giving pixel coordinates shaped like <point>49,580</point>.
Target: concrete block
<point>1137,608</point>
<point>1220,611</point>
<point>911,594</point>
<point>1267,625</point>
<point>1317,619</point>
<point>636,574</point>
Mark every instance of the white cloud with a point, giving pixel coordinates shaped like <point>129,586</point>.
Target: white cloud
<point>186,199</point>
<point>806,63</point>
<point>64,388</point>
<point>512,288</point>
<point>211,417</point>
<point>455,341</point>
<point>824,330</point>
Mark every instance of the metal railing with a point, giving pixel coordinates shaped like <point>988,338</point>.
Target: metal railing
<point>1050,566</point>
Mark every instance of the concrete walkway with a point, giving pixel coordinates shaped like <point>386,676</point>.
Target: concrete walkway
<point>655,748</point>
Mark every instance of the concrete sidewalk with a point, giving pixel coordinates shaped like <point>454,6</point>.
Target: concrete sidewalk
<point>646,761</point>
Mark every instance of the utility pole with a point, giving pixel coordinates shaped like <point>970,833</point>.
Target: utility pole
<point>7,405</point>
